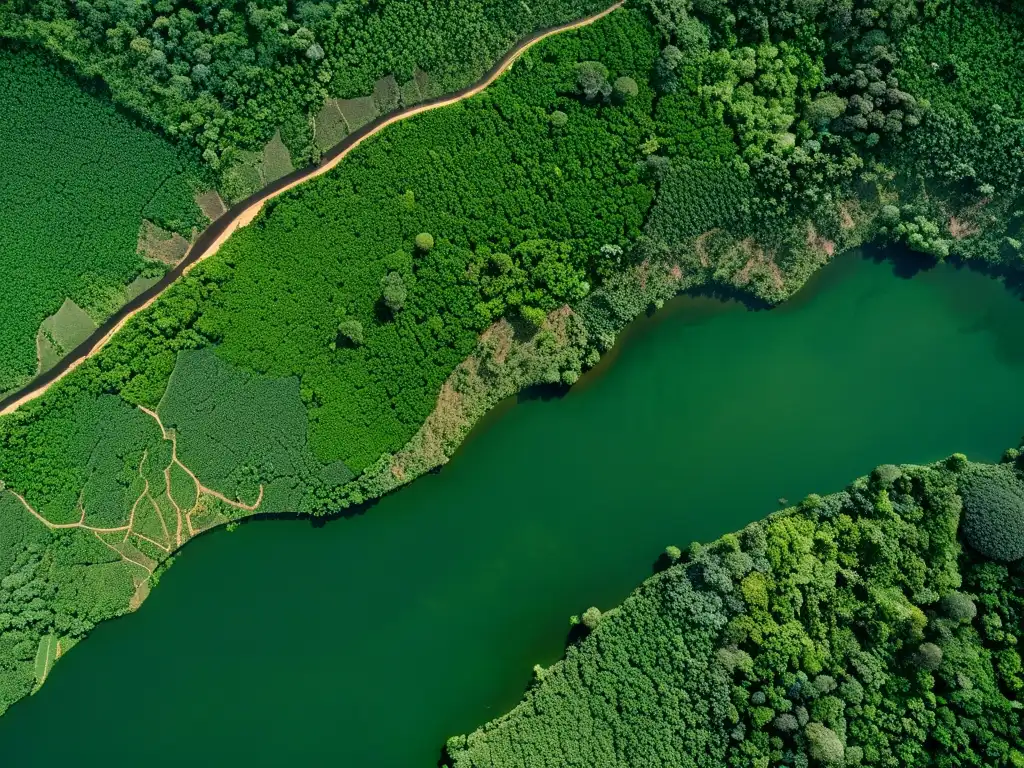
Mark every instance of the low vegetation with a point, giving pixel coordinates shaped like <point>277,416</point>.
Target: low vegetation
<point>854,629</point>
<point>79,179</point>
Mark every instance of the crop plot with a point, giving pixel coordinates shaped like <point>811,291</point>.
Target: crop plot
<point>245,434</point>
<point>329,125</point>
<point>158,244</point>
<point>277,161</point>
<point>359,111</point>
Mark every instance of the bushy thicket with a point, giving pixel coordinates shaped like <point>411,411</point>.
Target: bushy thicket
<point>994,512</point>
<point>78,180</point>
<point>225,76</point>
<point>851,630</point>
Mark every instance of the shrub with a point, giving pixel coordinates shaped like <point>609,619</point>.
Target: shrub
<point>625,88</point>
<point>351,330</point>
<point>591,618</point>
<point>393,291</point>
<point>993,522</point>
<point>959,607</point>
<point>592,79</point>
<point>824,744</point>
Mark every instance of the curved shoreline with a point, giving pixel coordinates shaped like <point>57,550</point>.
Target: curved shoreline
<point>244,212</point>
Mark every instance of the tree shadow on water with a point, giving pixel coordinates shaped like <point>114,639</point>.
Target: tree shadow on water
<point>906,263</point>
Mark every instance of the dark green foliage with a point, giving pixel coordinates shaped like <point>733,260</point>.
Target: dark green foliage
<point>810,638</point>
<point>239,432</point>
<point>994,512</point>
<point>78,180</point>
<point>959,607</point>
<point>225,76</point>
<point>697,197</point>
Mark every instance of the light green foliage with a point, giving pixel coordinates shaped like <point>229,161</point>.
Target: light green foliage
<point>61,332</point>
<point>351,330</point>
<point>793,642</point>
<point>78,179</point>
<point>424,241</point>
<point>239,432</point>
<point>393,291</point>
<point>625,87</point>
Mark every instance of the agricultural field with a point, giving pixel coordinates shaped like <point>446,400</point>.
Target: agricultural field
<point>343,343</point>
<point>79,180</point>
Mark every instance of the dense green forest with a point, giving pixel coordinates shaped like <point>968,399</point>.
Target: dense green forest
<point>875,626</point>
<point>79,178</point>
<point>344,342</point>
<point>225,76</point>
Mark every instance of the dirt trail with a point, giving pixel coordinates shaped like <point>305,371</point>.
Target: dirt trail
<point>247,215</point>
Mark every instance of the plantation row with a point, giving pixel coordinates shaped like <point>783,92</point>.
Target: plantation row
<point>856,629</point>
<point>655,150</point>
<point>78,180</point>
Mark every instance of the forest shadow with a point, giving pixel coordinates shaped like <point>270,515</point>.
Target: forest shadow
<point>726,294</point>
<point>905,263</point>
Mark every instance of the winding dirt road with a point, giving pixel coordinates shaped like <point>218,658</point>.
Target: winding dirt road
<point>244,215</point>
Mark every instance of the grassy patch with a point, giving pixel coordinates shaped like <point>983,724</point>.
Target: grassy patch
<point>46,654</point>
<point>140,285</point>
<point>386,94</point>
<point>62,332</point>
<point>329,125</point>
<point>277,161</point>
<point>160,245</point>
<point>358,112</point>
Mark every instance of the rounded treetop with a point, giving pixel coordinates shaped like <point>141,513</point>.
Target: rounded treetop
<point>424,241</point>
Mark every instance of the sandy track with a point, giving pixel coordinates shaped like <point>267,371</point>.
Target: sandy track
<point>246,215</point>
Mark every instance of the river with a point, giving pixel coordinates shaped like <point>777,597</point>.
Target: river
<point>367,641</point>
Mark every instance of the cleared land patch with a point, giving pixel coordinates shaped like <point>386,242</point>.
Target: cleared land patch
<point>61,332</point>
<point>160,245</point>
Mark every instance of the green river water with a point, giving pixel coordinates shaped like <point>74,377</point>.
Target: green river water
<point>368,641</point>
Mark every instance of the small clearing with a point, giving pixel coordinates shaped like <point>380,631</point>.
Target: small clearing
<point>160,245</point>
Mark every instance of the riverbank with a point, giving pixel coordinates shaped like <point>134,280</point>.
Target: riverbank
<point>244,212</point>
<point>429,613</point>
